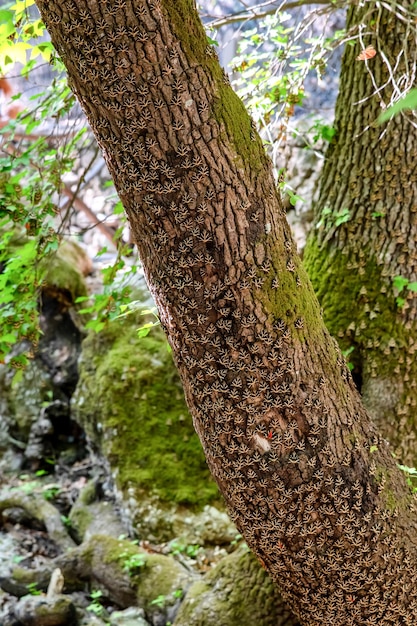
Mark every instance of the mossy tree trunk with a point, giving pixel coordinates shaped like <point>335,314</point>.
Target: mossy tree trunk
<point>306,477</point>
<point>370,180</point>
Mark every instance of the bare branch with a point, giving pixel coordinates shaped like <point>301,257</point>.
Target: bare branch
<point>251,14</point>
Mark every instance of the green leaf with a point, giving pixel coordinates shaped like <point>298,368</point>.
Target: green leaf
<point>412,286</point>
<point>7,23</point>
<point>20,7</point>
<point>294,198</point>
<point>408,470</point>
<point>14,53</point>
<point>118,208</point>
<point>8,337</point>
<point>328,132</point>
<point>342,217</point>
<point>144,330</point>
<point>408,102</point>
<point>400,282</point>
<point>212,42</point>
<point>45,50</point>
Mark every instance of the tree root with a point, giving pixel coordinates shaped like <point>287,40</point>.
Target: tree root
<point>39,509</point>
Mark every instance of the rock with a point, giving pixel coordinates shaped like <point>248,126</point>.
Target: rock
<point>130,576</point>
<point>38,611</point>
<point>130,402</point>
<point>209,527</point>
<point>160,522</point>
<point>23,393</point>
<point>132,616</point>
<point>29,398</point>
<point>88,619</point>
<point>89,517</point>
<point>56,584</point>
<point>236,592</point>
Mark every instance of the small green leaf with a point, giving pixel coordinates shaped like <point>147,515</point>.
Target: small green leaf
<point>342,217</point>
<point>144,330</point>
<point>118,208</point>
<point>294,199</point>
<point>325,132</point>
<point>212,42</point>
<point>7,23</point>
<point>408,470</point>
<point>8,337</point>
<point>400,282</point>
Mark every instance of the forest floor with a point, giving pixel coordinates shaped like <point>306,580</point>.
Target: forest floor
<point>45,578</point>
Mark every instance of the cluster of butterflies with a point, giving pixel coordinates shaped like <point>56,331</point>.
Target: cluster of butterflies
<point>366,54</point>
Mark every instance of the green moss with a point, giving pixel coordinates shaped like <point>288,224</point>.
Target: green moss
<point>80,519</point>
<point>230,111</point>
<point>155,575</point>
<point>291,303</point>
<point>62,271</point>
<point>360,310</point>
<point>237,591</point>
<point>131,404</point>
<point>185,23</point>
<point>88,493</point>
<point>356,311</point>
<point>114,550</point>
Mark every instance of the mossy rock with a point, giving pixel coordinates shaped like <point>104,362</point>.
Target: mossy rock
<point>41,611</point>
<point>237,591</point>
<point>90,516</point>
<point>24,393</point>
<point>64,271</point>
<point>130,402</point>
<point>131,576</point>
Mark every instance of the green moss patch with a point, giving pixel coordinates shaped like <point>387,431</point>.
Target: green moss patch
<point>359,307</point>
<point>237,591</point>
<point>363,312</point>
<point>131,404</point>
<point>187,27</point>
<point>230,111</point>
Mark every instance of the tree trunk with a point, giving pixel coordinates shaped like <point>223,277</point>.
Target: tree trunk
<point>306,477</point>
<point>369,179</point>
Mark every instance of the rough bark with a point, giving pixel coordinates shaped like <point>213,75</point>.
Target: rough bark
<point>306,477</point>
<point>370,175</point>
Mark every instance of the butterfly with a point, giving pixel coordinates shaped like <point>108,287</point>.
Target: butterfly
<point>366,54</point>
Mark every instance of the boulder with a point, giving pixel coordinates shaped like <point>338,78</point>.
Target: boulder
<point>130,402</point>
<point>237,591</point>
